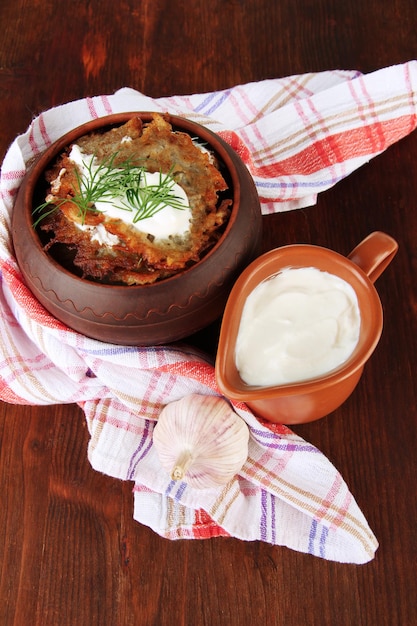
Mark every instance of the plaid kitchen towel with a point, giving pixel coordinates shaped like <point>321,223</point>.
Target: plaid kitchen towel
<point>298,136</point>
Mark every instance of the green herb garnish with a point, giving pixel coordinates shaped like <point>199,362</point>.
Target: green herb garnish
<point>148,199</point>
<point>107,182</point>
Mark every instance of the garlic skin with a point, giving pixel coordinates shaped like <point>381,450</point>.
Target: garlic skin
<point>200,439</point>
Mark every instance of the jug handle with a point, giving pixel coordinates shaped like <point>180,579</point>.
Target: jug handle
<point>374,254</point>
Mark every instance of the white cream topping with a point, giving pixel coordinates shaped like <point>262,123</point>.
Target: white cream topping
<point>297,325</point>
<point>56,183</point>
<point>100,234</point>
<point>166,222</point>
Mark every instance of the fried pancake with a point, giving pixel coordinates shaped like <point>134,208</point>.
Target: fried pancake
<point>137,257</point>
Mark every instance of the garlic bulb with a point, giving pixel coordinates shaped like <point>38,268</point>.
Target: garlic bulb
<point>201,440</point>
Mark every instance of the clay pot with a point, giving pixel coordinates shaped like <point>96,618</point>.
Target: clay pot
<point>312,399</point>
<point>150,314</point>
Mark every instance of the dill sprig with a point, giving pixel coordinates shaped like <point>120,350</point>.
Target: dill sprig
<point>108,181</point>
<point>100,183</point>
<point>148,199</point>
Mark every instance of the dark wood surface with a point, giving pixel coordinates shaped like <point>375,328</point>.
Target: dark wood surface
<point>70,552</point>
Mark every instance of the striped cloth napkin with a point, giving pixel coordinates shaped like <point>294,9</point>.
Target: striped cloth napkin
<point>298,136</point>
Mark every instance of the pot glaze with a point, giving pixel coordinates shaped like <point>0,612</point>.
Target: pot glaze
<point>162,312</point>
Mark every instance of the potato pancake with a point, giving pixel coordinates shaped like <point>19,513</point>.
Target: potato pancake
<point>112,249</point>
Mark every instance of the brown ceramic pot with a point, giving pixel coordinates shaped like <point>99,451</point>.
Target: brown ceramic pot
<point>309,400</point>
<point>151,314</point>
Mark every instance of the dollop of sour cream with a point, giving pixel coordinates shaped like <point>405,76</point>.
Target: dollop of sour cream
<point>166,222</point>
<point>297,325</point>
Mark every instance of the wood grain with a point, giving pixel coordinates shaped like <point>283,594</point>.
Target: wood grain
<point>70,552</point>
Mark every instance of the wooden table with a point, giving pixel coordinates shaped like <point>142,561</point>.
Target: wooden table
<point>70,552</point>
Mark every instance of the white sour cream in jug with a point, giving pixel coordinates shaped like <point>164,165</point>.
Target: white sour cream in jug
<point>297,325</point>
